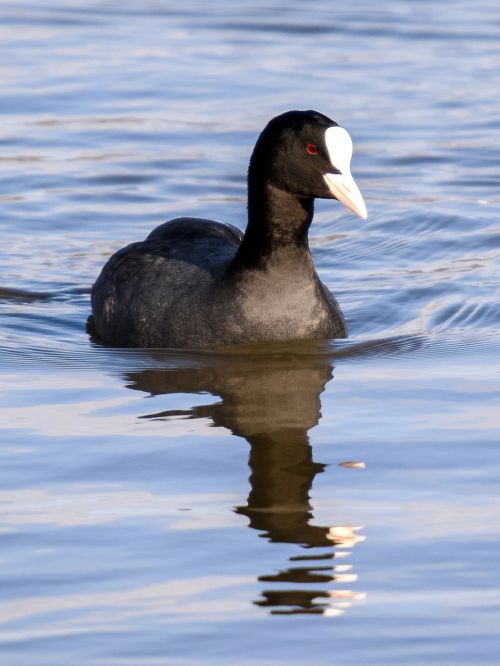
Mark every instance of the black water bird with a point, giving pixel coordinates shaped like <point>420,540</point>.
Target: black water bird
<point>197,283</point>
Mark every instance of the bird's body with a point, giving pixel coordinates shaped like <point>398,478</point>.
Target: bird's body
<point>197,283</point>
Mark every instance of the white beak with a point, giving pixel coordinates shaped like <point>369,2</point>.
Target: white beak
<point>342,185</point>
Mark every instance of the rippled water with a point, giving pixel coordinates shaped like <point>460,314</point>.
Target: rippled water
<point>178,508</point>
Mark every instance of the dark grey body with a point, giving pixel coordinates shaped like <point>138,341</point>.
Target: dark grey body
<point>181,287</point>
<point>196,283</point>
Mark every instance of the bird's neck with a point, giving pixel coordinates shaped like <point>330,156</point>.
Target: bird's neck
<point>278,222</point>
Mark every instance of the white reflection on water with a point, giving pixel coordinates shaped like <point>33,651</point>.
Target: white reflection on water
<point>435,519</point>
<point>96,505</point>
<point>174,600</point>
<point>64,406</point>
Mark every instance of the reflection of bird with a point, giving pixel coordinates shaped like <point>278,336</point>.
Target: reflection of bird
<point>282,474</point>
<point>199,283</point>
<point>272,400</point>
<point>289,602</point>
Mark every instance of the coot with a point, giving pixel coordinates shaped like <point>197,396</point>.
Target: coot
<point>197,283</point>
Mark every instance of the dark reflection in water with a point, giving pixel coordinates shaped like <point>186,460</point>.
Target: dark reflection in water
<point>272,401</point>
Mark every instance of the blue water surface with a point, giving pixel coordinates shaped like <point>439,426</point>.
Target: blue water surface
<point>333,503</point>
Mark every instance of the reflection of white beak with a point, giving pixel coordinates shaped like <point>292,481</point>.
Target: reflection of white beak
<point>342,185</point>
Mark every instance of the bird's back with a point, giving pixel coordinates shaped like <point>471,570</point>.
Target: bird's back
<point>159,292</point>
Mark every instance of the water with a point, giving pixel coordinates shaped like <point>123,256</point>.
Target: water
<point>178,508</point>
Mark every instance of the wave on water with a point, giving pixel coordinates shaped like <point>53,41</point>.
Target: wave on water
<point>35,337</point>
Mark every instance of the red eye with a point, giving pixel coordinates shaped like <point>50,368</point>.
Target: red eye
<point>311,148</point>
